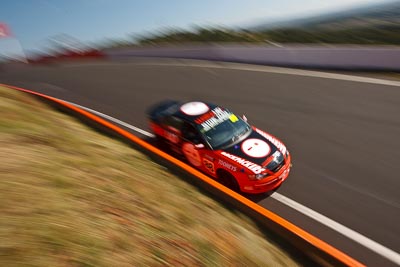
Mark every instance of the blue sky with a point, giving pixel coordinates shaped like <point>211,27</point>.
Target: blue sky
<point>33,21</point>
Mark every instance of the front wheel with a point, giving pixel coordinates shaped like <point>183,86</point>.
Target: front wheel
<point>229,181</point>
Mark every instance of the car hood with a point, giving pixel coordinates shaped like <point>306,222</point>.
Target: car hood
<point>259,148</point>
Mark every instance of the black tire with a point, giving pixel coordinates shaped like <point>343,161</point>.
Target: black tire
<point>229,181</point>
<point>161,144</point>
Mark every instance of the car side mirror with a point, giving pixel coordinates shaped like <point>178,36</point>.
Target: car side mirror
<point>199,146</point>
<point>244,118</point>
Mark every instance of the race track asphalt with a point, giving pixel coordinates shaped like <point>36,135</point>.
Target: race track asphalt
<point>344,136</point>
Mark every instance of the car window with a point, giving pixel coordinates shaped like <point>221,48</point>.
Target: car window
<point>227,133</point>
<point>172,121</point>
<point>190,133</point>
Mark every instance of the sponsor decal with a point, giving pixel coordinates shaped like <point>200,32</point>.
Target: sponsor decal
<point>255,148</point>
<point>194,108</point>
<point>191,154</point>
<point>233,118</point>
<point>245,163</point>
<point>215,117</point>
<point>209,165</point>
<point>273,140</point>
<point>204,117</point>
<point>227,165</point>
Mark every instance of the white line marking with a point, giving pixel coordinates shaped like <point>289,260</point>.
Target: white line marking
<point>341,229</point>
<point>113,119</point>
<point>351,234</point>
<point>255,68</point>
<point>298,72</point>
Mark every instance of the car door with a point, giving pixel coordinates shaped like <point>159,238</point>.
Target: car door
<point>195,150</point>
<point>191,144</point>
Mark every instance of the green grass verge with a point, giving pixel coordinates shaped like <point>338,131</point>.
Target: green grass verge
<point>70,196</point>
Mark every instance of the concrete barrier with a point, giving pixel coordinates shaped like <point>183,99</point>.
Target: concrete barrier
<point>370,58</point>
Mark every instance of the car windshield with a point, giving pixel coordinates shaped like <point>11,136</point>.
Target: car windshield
<point>226,133</point>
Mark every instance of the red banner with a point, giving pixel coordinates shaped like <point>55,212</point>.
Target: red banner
<point>4,31</point>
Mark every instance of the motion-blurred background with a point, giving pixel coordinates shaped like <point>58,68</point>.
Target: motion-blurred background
<point>35,29</point>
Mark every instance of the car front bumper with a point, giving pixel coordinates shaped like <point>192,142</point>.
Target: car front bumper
<point>271,182</point>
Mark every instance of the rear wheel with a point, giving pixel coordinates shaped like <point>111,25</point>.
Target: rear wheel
<point>228,180</point>
<point>160,142</point>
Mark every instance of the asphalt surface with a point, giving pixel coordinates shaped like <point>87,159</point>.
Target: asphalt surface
<point>344,136</point>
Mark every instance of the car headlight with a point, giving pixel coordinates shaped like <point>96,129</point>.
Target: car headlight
<point>255,177</point>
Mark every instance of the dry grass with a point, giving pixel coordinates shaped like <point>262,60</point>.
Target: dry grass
<point>70,196</point>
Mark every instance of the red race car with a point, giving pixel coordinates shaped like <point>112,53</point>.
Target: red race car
<point>222,145</point>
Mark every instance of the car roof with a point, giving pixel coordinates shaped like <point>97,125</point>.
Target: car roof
<point>192,110</point>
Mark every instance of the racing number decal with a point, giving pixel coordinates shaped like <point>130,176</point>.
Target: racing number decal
<point>191,154</point>
<point>255,148</point>
<point>209,165</point>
